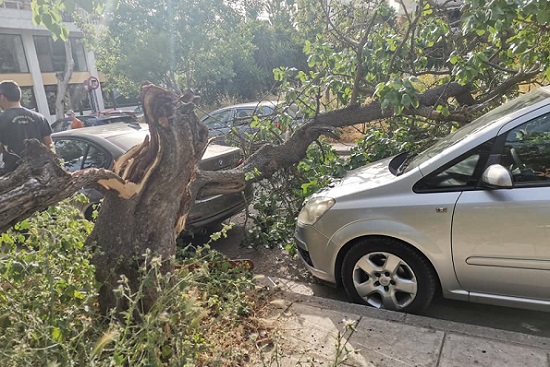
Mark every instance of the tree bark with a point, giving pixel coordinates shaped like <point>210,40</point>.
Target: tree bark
<point>63,80</point>
<point>150,209</point>
<point>40,182</point>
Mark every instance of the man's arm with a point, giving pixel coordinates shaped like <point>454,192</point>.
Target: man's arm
<point>47,141</point>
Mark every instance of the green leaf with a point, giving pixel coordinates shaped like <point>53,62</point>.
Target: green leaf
<point>64,35</point>
<point>47,20</point>
<point>406,100</point>
<point>56,334</point>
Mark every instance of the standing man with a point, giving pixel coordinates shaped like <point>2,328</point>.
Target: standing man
<point>18,124</point>
<point>76,123</point>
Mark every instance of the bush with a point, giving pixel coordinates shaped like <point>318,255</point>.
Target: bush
<point>49,313</point>
<point>279,199</point>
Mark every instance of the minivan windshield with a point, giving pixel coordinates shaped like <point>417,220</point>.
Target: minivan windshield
<point>500,115</point>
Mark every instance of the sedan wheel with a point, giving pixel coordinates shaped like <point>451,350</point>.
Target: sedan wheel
<point>385,273</point>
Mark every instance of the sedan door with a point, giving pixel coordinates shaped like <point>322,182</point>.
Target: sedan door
<point>501,238</point>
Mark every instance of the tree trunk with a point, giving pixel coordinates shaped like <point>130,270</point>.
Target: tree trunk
<point>150,209</point>
<point>63,80</point>
<point>40,182</point>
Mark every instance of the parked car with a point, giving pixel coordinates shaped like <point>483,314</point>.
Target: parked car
<point>237,119</point>
<point>470,215</point>
<point>93,120</point>
<point>65,123</point>
<point>100,146</point>
<point>120,111</point>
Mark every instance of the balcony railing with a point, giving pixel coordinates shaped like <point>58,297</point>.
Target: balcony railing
<point>26,5</point>
<point>16,4</point>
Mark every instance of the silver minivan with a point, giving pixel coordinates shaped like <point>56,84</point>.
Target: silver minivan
<point>469,216</point>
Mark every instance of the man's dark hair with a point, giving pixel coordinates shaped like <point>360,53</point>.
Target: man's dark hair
<point>11,90</point>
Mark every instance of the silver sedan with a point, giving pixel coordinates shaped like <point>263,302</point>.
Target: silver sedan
<point>100,146</point>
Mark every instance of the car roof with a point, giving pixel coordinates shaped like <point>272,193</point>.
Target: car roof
<point>256,104</point>
<point>115,133</point>
<point>103,131</point>
<point>249,105</point>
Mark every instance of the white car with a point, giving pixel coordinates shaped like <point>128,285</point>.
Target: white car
<point>237,119</point>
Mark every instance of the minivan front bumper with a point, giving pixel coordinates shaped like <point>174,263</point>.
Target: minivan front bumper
<point>312,246</point>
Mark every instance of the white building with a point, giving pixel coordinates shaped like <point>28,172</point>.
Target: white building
<point>30,56</point>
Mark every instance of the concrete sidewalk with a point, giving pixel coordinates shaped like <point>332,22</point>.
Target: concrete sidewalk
<point>315,331</point>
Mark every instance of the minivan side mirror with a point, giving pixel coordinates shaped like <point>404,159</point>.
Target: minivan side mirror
<point>498,177</point>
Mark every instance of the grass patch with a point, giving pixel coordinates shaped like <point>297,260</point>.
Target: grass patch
<point>207,313</point>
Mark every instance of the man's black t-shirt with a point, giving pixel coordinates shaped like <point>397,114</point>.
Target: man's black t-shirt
<point>17,125</point>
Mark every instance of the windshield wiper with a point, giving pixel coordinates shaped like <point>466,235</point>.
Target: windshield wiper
<point>403,166</point>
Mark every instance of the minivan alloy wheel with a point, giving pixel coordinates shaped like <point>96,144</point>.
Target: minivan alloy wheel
<point>384,280</point>
<point>386,273</point>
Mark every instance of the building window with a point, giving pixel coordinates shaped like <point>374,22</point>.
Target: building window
<point>76,98</point>
<point>51,54</point>
<point>12,54</point>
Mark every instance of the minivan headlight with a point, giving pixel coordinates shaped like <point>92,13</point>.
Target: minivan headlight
<point>314,210</point>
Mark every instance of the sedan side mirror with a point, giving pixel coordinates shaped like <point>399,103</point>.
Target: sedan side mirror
<point>498,177</point>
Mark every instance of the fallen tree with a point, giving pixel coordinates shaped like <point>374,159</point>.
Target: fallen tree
<point>153,186</point>
<point>419,69</point>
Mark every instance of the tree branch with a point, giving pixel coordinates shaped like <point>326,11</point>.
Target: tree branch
<point>40,182</point>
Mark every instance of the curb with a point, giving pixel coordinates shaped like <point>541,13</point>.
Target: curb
<point>425,322</point>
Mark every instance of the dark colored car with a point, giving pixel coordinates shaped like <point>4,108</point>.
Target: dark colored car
<point>93,120</point>
<point>100,146</point>
<point>237,119</point>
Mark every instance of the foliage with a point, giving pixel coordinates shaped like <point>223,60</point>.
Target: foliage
<point>365,53</point>
<point>213,47</point>
<point>384,140</point>
<point>368,53</point>
<point>278,200</point>
<point>48,304</point>
<point>50,13</point>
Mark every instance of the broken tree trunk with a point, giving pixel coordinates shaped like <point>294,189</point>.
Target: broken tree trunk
<point>150,209</point>
<point>40,182</point>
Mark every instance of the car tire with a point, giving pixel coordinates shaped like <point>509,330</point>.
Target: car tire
<point>389,274</point>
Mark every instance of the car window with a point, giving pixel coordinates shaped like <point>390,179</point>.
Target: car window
<point>462,174</point>
<point>502,112</point>
<point>96,158</point>
<point>78,154</point>
<point>527,152</point>
<point>265,111</point>
<point>243,117</point>
<point>218,120</point>
<point>72,153</point>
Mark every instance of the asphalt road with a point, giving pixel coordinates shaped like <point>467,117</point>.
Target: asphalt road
<point>274,263</point>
